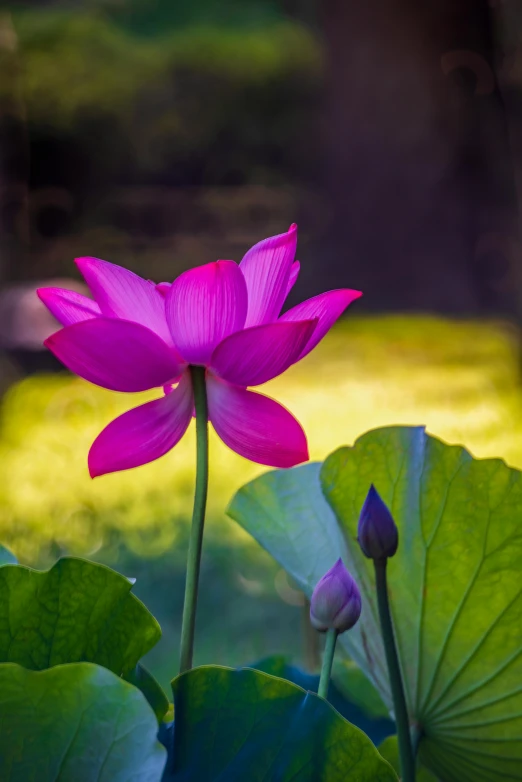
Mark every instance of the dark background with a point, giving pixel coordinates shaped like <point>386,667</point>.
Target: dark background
<point>158,134</point>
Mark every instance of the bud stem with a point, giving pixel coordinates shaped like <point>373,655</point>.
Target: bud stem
<point>326,670</point>
<point>399,701</point>
<point>188,623</point>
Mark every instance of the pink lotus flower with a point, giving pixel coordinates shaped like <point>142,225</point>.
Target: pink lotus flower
<point>136,336</point>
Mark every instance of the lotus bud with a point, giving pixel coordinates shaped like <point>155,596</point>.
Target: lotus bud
<point>336,601</point>
<point>377,532</point>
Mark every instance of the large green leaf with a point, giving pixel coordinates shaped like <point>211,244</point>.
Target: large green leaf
<point>76,611</point>
<point>349,692</point>
<point>75,723</point>
<point>286,512</point>
<point>455,589</point>
<point>238,725</point>
<point>455,585</point>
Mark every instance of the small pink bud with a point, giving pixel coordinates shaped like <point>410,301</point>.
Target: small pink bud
<point>336,601</point>
<point>377,532</point>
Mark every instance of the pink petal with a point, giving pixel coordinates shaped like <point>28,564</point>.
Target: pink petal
<point>122,294</point>
<point>327,307</point>
<point>163,288</point>
<point>144,433</point>
<point>255,426</point>
<point>115,354</point>
<point>68,307</point>
<point>294,274</point>
<point>204,305</point>
<point>258,354</point>
<point>266,268</point>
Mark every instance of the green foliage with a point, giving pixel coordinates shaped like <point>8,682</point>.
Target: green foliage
<point>146,18</point>
<point>176,92</point>
<point>244,724</point>
<point>190,103</point>
<point>76,62</point>
<point>76,611</point>
<point>454,583</point>
<point>75,723</point>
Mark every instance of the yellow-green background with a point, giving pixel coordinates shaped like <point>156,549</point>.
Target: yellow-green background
<point>459,378</point>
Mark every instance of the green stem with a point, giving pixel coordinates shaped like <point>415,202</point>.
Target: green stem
<point>198,520</point>
<point>326,670</point>
<point>399,701</point>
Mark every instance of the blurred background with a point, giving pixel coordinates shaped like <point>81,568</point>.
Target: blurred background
<point>160,135</point>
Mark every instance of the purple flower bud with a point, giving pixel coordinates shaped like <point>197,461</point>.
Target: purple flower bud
<point>377,533</point>
<point>336,601</point>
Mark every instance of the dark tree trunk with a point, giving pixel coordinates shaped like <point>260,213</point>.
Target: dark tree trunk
<point>418,168</point>
<point>14,160</point>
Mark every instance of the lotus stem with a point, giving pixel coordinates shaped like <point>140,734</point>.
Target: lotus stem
<point>399,701</point>
<point>188,623</point>
<point>326,670</point>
